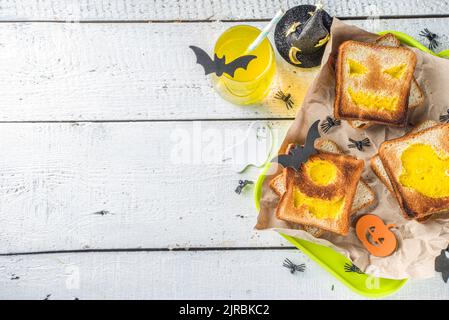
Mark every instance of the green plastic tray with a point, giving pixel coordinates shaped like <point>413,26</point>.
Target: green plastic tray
<point>331,260</point>
<point>335,262</point>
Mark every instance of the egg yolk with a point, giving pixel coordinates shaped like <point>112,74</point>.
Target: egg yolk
<point>356,68</point>
<point>397,71</point>
<point>321,172</point>
<point>425,170</point>
<point>368,100</point>
<point>320,208</point>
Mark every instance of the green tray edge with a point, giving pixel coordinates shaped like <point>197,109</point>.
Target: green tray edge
<point>354,281</point>
<point>409,40</point>
<point>330,259</point>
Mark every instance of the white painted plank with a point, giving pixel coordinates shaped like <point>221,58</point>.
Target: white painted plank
<point>163,184</point>
<point>85,10</point>
<point>182,275</point>
<point>133,71</point>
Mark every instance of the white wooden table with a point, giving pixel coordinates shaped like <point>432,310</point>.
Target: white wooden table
<point>90,204</point>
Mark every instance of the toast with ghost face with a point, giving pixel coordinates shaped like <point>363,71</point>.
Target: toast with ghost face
<point>417,166</point>
<point>373,83</point>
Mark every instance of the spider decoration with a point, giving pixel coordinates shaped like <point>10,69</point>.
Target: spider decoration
<point>433,43</point>
<point>359,144</point>
<point>287,98</point>
<point>329,123</point>
<point>445,117</point>
<point>294,267</point>
<point>242,184</point>
<point>352,268</point>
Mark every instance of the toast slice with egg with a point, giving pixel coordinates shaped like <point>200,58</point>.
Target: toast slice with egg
<point>416,97</point>
<point>373,82</point>
<point>321,193</point>
<point>376,163</point>
<point>418,168</point>
<point>364,197</point>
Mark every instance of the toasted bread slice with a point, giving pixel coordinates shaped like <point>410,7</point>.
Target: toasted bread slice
<point>277,184</point>
<point>418,167</point>
<point>326,145</point>
<point>364,196</point>
<point>416,97</point>
<point>373,82</point>
<point>388,40</point>
<point>323,198</point>
<point>379,170</point>
<point>359,124</point>
<point>426,124</point>
<point>376,163</point>
<point>314,231</point>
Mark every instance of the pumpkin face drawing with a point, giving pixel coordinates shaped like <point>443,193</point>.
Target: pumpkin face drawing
<point>371,84</point>
<point>372,74</point>
<point>377,237</point>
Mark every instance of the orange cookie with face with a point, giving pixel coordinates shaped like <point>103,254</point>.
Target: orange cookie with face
<point>375,236</point>
<point>373,82</point>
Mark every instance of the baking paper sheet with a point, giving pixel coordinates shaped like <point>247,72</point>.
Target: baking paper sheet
<point>419,244</point>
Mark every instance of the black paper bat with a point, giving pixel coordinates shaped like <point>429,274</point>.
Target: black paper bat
<point>300,154</point>
<point>442,265</point>
<point>219,65</point>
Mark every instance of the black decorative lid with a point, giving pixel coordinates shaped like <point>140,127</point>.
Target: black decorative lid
<point>301,35</point>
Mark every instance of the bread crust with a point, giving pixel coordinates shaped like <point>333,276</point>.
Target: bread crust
<point>349,173</point>
<point>277,184</point>
<point>414,204</point>
<point>344,108</point>
<point>374,165</point>
<point>379,174</point>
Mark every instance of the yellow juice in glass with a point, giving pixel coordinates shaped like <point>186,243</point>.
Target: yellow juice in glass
<point>248,86</point>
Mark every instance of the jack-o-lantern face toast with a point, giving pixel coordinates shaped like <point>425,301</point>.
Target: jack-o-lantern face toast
<point>321,192</point>
<point>418,168</point>
<point>373,82</point>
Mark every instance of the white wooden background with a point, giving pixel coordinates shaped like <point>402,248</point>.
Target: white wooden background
<point>86,114</point>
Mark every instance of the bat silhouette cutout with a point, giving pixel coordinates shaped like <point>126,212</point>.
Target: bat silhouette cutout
<point>219,65</point>
<point>300,154</point>
<point>442,265</point>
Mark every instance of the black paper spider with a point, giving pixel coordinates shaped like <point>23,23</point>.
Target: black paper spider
<point>359,144</point>
<point>329,123</point>
<point>445,117</point>
<point>287,98</point>
<point>352,268</point>
<point>294,267</point>
<point>242,184</point>
<point>433,43</point>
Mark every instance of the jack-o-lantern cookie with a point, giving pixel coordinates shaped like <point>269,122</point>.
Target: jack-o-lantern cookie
<point>375,235</point>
